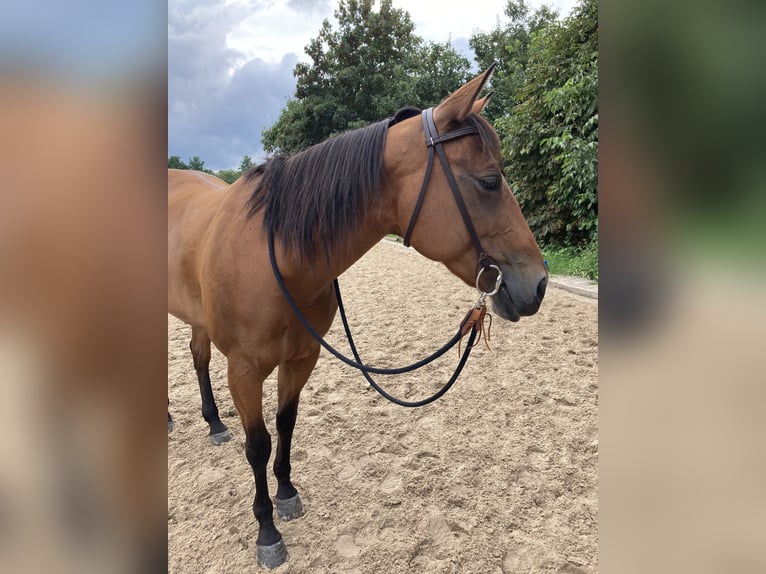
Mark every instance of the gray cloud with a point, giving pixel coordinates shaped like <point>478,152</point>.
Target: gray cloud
<point>212,112</point>
<point>253,101</point>
<point>309,6</point>
<point>220,100</point>
<point>227,124</point>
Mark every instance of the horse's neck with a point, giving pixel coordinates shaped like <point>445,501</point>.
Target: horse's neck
<point>308,275</point>
<point>379,222</point>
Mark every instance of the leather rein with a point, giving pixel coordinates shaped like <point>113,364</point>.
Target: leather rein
<point>472,324</point>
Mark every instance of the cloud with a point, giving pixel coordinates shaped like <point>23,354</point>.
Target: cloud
<point>230,65</point>
<point>252,102</point>
<point>228,123</point>
<point>309,6</point>
<point>197,49</point>
<point>219,102</point>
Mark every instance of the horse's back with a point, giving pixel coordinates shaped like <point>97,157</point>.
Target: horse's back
<point>193,200</point>
<point>178,178</point>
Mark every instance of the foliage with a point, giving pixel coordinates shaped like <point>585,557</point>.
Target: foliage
<point>362,72</point>
<point>175,162</point>
<point>245,164</point>
<point>197,164</point>
<point>551,139</point>
<point>508,47</point>
<point>227,175</point>
<point>580,260</point>
<point>545,105</point>
<point>437,71</point>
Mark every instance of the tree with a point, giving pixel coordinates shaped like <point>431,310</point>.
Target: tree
<point>174,162</point>
<point>245,164</point>
<point>228,175</point>
<point>440,71</point>
<point>551,138</point>
<point>197,164</point>
<point>508,47</point>
<point>362,72</point>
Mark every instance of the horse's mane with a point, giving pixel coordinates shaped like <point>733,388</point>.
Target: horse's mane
<point>315,199</point>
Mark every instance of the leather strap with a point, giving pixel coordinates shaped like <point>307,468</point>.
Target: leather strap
<point>434,141</point>
<point>421,197</point>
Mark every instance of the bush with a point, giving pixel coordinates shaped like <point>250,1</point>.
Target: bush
<point>551,138</point>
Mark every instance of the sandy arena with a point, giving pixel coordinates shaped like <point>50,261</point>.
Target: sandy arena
<point>498,476</point>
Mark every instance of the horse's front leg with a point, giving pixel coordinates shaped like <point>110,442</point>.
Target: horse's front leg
<point>292,377</point>
<point>246,385</point>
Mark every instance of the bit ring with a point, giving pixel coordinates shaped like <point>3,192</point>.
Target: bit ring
<point>498,281</point>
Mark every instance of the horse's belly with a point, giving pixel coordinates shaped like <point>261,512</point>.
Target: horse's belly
<point>184,299</point>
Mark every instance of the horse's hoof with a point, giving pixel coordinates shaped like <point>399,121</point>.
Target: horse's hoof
<point>271,556</point>
<point>290,508</point>
<point>220,437</point>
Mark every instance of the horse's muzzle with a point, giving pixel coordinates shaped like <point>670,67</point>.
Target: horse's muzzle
<point>513,308</point>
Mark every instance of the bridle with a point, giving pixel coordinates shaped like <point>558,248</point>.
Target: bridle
<point>434,141</point>
<point>473,321</point>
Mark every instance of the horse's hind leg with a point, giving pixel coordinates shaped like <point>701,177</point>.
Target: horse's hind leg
<point>200,348</point>
<point>292,377</point>
<point>246,385</point>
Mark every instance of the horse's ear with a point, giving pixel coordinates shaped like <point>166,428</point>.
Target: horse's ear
<point>460,103</point>
<point>479,105</point>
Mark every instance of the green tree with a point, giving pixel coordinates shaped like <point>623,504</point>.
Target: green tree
<point>294,130</point>
<point>508,46</point>
<point>362,72</point>
<point>439,71</point>
<point>197,164</point>
<point>245,164</point>
<point>551,138</point>
<point>174,162</point>
<point>228,175</point>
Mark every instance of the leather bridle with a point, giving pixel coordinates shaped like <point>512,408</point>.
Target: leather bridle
<point>434,141</point>
<point>471,325</point>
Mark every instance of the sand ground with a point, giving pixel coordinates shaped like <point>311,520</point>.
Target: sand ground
<point>498,476</point>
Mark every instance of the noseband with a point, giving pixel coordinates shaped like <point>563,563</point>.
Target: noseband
<point>434,141</point>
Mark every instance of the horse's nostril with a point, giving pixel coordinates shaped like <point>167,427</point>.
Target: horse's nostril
<point>541,288</point>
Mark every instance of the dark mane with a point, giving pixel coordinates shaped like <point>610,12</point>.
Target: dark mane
<point>315,199</point>
<point>403,114</point>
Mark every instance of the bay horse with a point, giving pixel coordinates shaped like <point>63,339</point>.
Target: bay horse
<point>323,208</point>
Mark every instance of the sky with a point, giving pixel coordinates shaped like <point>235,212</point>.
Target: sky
<point>230,63</point>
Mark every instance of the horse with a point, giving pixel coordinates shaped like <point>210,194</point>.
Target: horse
<point>321,210</point>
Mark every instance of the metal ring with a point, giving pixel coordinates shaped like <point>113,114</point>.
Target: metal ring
<point>498,281</point>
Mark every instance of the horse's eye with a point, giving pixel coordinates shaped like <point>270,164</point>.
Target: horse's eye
<point>491,183</point>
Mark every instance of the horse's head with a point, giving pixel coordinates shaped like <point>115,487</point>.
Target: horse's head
<point>439,230</point>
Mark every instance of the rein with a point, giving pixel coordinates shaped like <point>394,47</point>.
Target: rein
<point>473,322</point>
<point>366,369</point>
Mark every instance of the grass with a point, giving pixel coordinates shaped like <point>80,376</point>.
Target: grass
<point>578,261</point>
